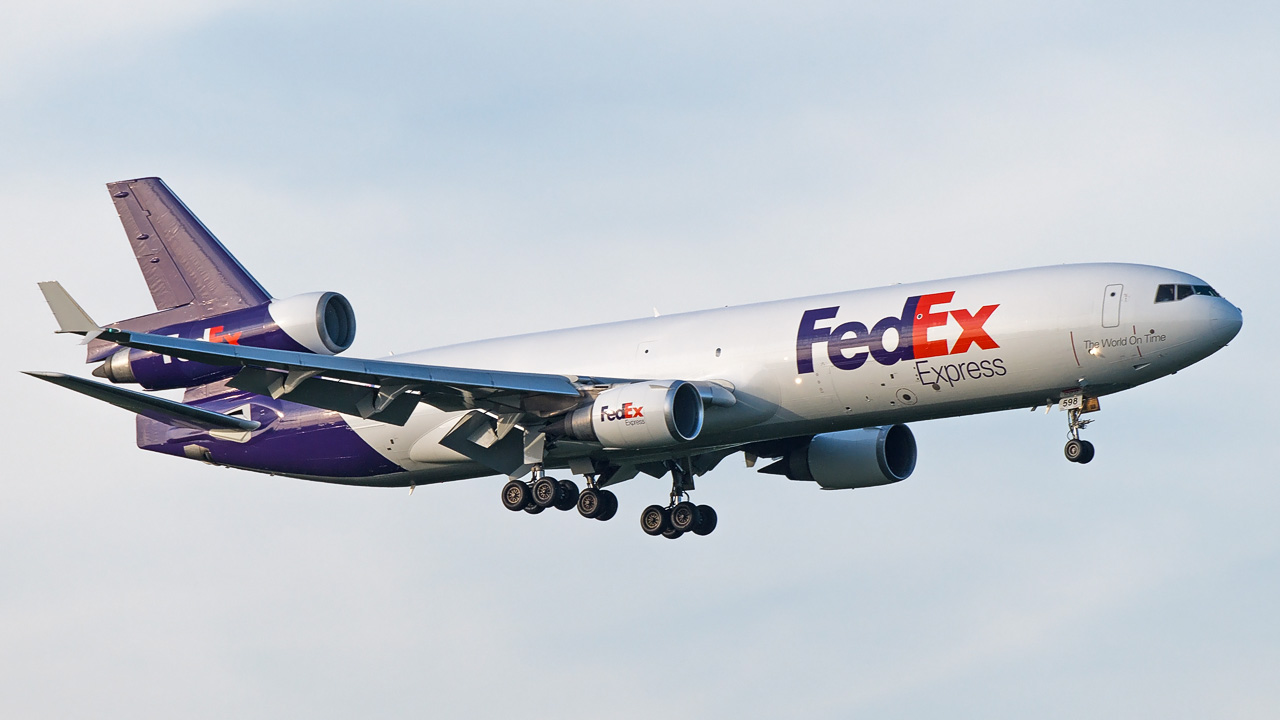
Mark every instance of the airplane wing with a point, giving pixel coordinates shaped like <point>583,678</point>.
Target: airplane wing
<point>382,390</point>
<point>156,408</point>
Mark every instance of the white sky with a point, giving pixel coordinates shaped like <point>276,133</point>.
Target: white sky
<point>462,172</point>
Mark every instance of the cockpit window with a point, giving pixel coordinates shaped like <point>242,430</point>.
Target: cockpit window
<point>1170,293</point>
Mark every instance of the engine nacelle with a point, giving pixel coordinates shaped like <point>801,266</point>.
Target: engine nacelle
<point>854,458</point>
<point>321,323</point>
<point>658,413</point>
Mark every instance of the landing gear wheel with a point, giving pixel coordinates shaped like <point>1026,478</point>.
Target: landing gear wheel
<point>569,495</point>
<point>654,520</point>
<point>1087,453</point>
<point>609,503</point>
<point>684,516</point>
<point>533,508</point>
<point>515,495</point>
<point>672,533</point>
<point>1074,450</point>
<point>546,492</point>
<point>590,504</point>
<point>706,520</point>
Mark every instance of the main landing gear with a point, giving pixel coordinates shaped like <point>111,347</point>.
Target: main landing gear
<point>680,515</point>
<point>547,492</point>
<point>1077,450</point>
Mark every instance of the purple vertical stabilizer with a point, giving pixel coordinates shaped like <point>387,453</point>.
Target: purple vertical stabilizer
<point>190,274</point>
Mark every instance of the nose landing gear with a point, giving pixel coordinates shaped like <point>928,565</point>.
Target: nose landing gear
<point>1077,450</point>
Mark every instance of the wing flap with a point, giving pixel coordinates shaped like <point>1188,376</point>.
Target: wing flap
<point>347,398</point>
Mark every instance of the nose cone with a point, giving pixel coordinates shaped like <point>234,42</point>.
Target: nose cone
<point>1226,323</point>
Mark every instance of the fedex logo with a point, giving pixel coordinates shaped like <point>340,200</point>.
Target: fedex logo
<point>850,344</point>
<point>216,334</point>
<point>629,411</point>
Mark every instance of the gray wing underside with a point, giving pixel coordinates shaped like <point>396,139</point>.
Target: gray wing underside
<point>156,408</point>
<point>381,390</point>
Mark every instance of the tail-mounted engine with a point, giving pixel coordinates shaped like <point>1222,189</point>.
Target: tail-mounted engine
<point>852,459</point>
<point>658,413</point>
<point>321,323</point>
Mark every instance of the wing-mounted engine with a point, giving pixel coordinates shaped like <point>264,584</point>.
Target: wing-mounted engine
<point>321,323</point>
<point>851,459</point>
<point>651,414</point>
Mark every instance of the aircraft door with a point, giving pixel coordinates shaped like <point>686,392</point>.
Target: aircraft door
<point>1111,298</point>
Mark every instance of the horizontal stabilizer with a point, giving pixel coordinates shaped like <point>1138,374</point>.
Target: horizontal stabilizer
<point>156,408</point>
<point>70,316</point>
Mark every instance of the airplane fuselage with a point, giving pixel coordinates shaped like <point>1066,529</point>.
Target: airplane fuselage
<point>797,367</point>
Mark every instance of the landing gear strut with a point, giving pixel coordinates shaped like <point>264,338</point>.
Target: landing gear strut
<point>680,515</point>
<point>1077,450</point>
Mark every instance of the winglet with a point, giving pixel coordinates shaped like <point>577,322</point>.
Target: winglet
<point>70,316</point>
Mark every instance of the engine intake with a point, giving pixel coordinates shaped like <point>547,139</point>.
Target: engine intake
<point>850,459</point>
<point>652,414</point>
<point>323,323</point>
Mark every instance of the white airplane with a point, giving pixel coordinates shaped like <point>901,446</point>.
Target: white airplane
<point>822,385</point>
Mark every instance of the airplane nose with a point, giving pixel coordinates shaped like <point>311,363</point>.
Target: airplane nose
<point>1226,324</point>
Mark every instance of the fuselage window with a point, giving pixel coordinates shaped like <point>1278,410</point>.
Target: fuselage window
<point>1184,291</point>
<point>1164,293</point>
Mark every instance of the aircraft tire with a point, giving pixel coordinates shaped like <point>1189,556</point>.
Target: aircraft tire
<point>569,495</point>
<point>547,492</point>
<point>654,520</point>
<point>707,520</point>
<point>590,504</point>
<point>610,503</point>
<point>684,516</point>
<point>515,495</point>
<point>672,533</point>
<point>1073,450</point>
<point>1087,454</point>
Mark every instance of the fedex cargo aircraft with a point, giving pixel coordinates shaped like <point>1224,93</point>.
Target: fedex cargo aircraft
<point>822,387</point>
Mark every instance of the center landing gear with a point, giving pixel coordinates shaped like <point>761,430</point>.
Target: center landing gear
<point>545,492</point>
<point>1077,450</point>
<point>680,515</point>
